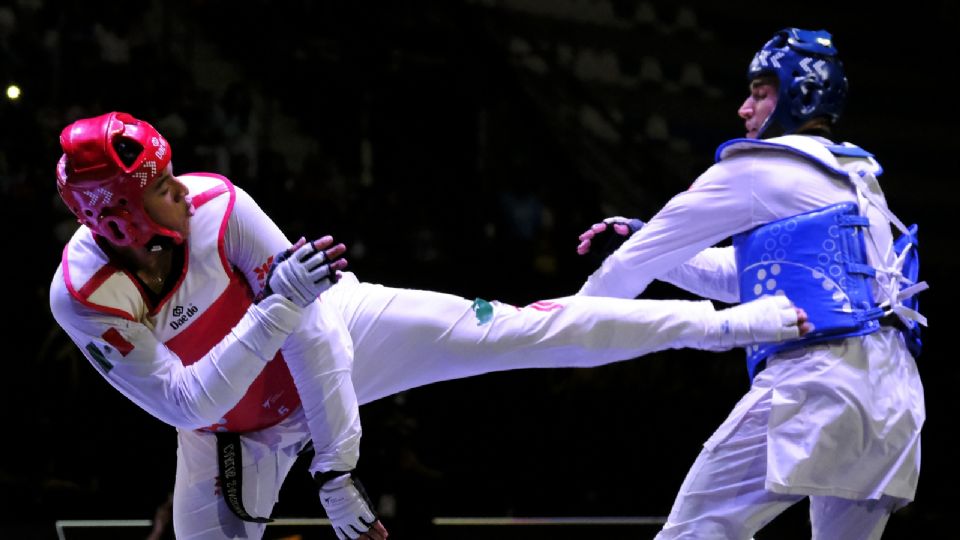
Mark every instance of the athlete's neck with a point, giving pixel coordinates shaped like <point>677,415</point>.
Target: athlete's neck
<point>152,266</point>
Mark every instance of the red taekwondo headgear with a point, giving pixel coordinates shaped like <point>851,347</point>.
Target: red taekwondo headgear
<point>105,193</point>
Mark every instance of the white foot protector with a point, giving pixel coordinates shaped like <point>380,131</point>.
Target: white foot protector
<point>765,320</point>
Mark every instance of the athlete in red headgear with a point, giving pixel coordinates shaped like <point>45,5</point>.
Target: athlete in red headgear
<point>114,159</point>
<point>158,290</point>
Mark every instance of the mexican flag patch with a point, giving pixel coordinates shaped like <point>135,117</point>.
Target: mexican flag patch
<point>113,337</point>
<point>98,356</point>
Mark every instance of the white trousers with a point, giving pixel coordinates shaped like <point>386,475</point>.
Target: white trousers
<point>404,338</point>
<point>724,497</point>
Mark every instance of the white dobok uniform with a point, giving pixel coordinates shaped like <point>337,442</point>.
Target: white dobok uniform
<point>183,362</point>
<point>838,420</point>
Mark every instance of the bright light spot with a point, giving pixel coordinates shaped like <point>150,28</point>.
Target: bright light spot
<point>13,92</point>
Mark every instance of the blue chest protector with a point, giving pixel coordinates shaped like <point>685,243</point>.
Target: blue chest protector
<point>818,259</point>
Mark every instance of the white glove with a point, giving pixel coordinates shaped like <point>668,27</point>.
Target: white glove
<point>347,506</point>
<point>309,270</point>
<point>765,320</point>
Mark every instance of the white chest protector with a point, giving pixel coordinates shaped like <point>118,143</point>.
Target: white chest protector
<point>209,298</point>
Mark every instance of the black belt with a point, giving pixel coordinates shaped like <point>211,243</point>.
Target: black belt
<point>230,463</point>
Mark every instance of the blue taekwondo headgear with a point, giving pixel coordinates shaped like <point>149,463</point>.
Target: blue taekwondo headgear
<point>810,76</point>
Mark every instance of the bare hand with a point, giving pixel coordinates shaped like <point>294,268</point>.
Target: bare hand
<point>332,254</point>
<point>377,532</point>
<point>803,321</point>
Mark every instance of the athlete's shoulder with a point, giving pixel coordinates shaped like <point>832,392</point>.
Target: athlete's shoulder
<point>830,157</point>
<point>203,180</point>
<point>86,276</point>
<point>794,144</point>
<point>61,302</point>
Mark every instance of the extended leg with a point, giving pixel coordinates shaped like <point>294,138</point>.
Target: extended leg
<point>408,338</point>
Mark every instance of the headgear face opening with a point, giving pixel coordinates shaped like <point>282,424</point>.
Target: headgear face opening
<point>811,78</point>
<point>103,188</point>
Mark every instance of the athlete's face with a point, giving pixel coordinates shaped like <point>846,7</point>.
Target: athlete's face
<point>167,203</point>
<point>759,105</point>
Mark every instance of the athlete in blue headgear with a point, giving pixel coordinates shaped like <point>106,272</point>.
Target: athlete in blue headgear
<point>836,415</point>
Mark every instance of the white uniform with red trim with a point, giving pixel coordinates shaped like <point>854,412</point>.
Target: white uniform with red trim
<point>178,360</point>
<point>840,419</point>
<point>209,298</point>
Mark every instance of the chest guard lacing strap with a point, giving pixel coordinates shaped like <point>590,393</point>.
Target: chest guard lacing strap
<point>897,283</point>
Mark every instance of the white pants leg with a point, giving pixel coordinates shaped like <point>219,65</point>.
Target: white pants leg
<point>723,496</point>
<point>404,338</point>
<point>833,518</point>
<point>199,509</point>
<point>407,338</point>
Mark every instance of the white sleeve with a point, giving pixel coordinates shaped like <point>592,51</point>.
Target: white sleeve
<point>319,353</point>
<point>251,240</point>
<point>719,204</point>
<point>131,358</point>
<point>712,273</point>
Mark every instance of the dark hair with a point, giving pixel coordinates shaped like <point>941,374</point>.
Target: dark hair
<point>820,126</point>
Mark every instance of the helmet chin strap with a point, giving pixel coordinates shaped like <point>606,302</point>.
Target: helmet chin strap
<point>160,242</point>
<point>770,129</point>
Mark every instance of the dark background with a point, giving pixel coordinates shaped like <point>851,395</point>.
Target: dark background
<point>458,146</point>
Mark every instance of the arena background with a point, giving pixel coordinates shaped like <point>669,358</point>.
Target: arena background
<point>459,146</point>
